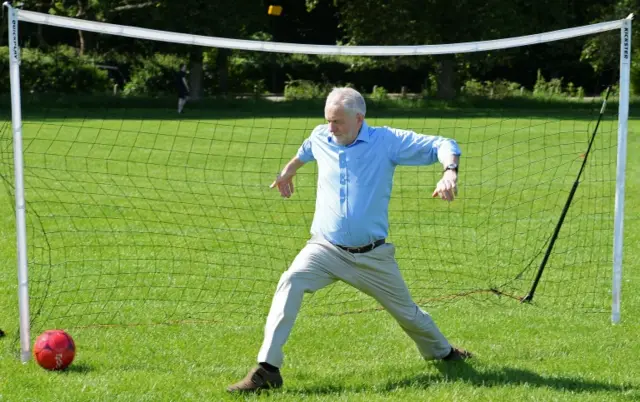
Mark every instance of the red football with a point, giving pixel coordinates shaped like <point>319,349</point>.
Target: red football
<point>54,350</point>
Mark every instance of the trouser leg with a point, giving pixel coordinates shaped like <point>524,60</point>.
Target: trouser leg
<point>380,277</point>
<point>311,270</point>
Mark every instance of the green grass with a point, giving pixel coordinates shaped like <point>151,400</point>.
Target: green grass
<point>165,282</point>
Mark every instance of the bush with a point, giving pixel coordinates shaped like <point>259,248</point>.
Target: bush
<point>497,89</point>
<point>155,75</point>
<point>304,89</point>
<point>429,86</point>
<point>58,70</point>
<point>555,88</point>
<point>473,87</point>
<point>379,93</point>
<point>245,73</point>
<point>540,87</point>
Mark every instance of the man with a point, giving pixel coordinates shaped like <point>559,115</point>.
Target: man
<point>356,163</point>
<point>183,87</point>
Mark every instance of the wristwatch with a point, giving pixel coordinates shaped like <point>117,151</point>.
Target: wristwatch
<point>452,166</point>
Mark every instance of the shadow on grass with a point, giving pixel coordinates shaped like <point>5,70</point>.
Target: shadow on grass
<point>78,368</point>
<point>514,376</point>
<point>460,372</point>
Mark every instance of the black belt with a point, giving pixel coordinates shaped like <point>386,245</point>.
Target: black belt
<point>362,249</point>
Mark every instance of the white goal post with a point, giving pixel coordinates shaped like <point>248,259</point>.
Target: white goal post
<point>16,15</point>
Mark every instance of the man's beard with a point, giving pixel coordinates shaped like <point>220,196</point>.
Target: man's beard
<point>345,139</point>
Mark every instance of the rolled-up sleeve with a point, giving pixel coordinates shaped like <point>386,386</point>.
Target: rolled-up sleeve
<point>410,148</point>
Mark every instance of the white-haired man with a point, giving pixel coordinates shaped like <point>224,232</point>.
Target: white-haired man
<point>356,163</point>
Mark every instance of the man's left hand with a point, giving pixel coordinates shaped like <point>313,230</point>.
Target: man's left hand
<point>447,187</point>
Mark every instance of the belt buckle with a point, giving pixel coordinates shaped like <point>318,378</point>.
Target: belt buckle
<point>367,248</point>
<point>361,249</point>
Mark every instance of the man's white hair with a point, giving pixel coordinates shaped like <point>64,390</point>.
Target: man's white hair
<point>349,99</point>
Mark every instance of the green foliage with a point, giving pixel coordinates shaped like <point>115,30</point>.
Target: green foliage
<point>473,87</point>
<point>500,89</point>
<point>555,88</point>
<point>430,86</point>
<point>614,93</point>
<point>305,89</point>
<point>59,70</point>
<point>371,22</point>
<point>574,92</point>
<point>246,71</point>
<point>635,73</point>
<point>154,75</point>
<point>379,93</point>
<point>541,84</point>
<point>497,89</point>
<point>365,22</point>
<point>602,51</point>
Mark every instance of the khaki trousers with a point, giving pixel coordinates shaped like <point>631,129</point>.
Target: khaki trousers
<point>375,273</point>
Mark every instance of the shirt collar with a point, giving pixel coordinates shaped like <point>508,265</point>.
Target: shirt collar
<point>363,135</point>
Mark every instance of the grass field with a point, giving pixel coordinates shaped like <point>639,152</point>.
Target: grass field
<point>157,243</point>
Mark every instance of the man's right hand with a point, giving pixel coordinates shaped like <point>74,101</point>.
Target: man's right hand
<point>284,182</point>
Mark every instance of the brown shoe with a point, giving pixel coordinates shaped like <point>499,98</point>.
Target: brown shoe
<point>457,354</point>
<point>258,379</point>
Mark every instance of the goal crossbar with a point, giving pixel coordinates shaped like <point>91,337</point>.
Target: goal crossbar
<point>279,47</point>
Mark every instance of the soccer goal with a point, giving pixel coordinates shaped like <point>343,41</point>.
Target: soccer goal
<point>140,216</point>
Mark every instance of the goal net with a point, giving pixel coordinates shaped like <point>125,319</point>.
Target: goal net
<point>141,215</point>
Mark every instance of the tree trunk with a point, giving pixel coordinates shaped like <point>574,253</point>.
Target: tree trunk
<point>274,73</point>
<point>42,43</point>
<point>222,66</point>
<point>81,43</point>
<point>3,29</point>
<point>196,73</point>
<point>82,11</point>
<point>447,78</point>
<point>40,35</point>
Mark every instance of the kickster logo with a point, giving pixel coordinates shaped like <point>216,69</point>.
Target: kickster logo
<point>14,39</point>
<point>625,44</point>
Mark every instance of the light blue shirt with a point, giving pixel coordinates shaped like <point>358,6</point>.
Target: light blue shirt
<point>355,181</point>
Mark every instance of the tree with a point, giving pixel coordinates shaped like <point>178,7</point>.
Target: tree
<point>419,22</point>
<point>223,18</point>
<point>603,51</point>
<point>410,22</point>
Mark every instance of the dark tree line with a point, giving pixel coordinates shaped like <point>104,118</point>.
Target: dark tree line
<point>586,62</point>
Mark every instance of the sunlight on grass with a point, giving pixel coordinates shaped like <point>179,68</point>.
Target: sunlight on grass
<point>158,244</point>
